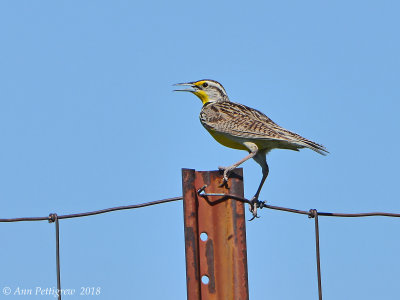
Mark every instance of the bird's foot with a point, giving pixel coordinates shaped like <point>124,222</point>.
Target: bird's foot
<point>226,170</point>
<point>254,205</point>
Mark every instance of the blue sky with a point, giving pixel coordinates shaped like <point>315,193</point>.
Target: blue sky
<point>78,79</point>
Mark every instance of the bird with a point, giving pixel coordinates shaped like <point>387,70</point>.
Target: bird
<point>238,126</point>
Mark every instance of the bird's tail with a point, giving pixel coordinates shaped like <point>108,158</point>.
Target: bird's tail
<point>314,146</point>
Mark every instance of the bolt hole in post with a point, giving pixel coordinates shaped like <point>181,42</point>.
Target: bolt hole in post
<point>204,236</point>
<point>205,279</point>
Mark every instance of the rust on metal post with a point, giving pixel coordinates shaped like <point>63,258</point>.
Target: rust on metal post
<point>221,253</point>
<point>193,279</point>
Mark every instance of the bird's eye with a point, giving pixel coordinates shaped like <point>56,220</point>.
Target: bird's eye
<point>205,84</point>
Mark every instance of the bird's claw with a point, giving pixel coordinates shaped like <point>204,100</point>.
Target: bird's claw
<point>254,205</point>
<point>225,177</point>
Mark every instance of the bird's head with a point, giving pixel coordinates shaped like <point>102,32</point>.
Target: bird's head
<point>207,90</point>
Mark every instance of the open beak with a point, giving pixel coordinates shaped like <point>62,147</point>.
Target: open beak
<point>192,88</point>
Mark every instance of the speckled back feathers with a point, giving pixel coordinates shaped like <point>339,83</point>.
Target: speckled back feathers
<point>238,120</point>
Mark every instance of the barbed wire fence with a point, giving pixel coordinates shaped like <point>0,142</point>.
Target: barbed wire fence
<point>312,213</point>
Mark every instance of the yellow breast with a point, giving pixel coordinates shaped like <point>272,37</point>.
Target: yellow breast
<point>226,140</point>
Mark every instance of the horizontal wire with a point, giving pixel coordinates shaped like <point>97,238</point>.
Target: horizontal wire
<point>96,212</point>
<point>327,214</point>
<point>262,205</point>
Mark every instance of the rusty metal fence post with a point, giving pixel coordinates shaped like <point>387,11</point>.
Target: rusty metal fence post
<point>215,237</point>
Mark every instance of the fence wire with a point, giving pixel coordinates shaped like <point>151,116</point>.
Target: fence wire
<point>312,213</point>
<point>53,218</point>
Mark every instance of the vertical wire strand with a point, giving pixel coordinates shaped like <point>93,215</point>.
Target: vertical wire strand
<point>58,258</point>
<point>54,218</point>
<point>314,214</point>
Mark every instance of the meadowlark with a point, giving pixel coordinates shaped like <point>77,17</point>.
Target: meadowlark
<point>240,127</point>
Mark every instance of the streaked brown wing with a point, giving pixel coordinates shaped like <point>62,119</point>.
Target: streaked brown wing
<point>242,121</point>
<point>239,120</point>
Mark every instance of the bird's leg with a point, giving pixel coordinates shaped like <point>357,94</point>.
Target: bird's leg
<point>260,158</point>
<point>252,152</point>
<point>227,170</point>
